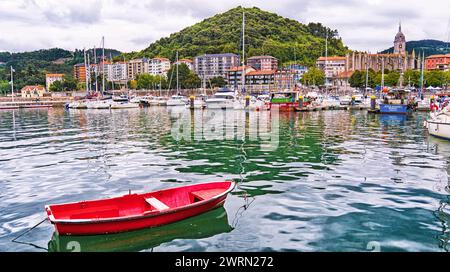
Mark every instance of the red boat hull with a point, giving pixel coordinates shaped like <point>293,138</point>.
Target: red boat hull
<point>146,220</point>
<point>289,106</point>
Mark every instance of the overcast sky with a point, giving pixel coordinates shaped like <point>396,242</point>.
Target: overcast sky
<point>368,25</point>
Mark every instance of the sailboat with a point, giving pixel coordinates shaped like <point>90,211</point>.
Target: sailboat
<point>177,100</point>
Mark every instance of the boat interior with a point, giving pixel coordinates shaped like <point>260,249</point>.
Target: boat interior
<point>139,204</point>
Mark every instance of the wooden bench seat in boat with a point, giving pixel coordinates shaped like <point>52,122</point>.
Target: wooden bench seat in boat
<point>97,212</point>
<point>156,204</point>
<point>206,194</point>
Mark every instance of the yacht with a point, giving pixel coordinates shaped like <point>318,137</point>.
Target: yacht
<point>222,99</point>
<point>177,100</point>
<point>158,101</point>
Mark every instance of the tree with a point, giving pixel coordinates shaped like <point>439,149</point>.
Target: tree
<point>435,78</point>
<point>192,81</point>
<point>391,78</point>
<point>145,81</point>
<point>217,82</point>
<point>4,86</point>
<point>56,86</point>
<point>132,84</point>
<point>412,77</point>
<point>69,83</point>
<point>356,79</point>
<point>314,77</point>
<point>81,86</point>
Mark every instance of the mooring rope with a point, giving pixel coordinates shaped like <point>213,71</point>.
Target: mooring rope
<point>243,158</point>
<point>15,240</point>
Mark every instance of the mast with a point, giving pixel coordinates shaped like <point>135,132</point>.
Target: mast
<point>110,59</point>
<point>89,69</point>
<point>96,69</point>
<point>421,72</point>
<point>86,72</point>
<point>382,73</point>
<point>367,73</point>
<point>178,86</point>
<point>243,51</point>
<point>12,84</point>
<point>326,61</point>
<point>103,65</point>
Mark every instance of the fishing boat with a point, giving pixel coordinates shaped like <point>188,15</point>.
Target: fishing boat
<point>284,100</point>
<point>137,211</point>
<point>394,103</point>
<point>223,99</point>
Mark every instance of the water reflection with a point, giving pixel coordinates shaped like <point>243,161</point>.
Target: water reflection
<point>320,181</point>
<point>202,226</point>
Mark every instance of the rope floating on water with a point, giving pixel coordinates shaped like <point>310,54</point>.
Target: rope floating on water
<point>15,240</point>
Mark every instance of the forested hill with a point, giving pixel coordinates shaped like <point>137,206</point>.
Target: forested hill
<point>429,47</point>
<point>266,34</point>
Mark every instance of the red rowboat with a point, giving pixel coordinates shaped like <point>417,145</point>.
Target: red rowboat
<point>137,211</point>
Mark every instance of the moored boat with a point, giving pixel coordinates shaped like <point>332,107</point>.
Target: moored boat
<point>439,125</point>
<point>222,99</point>
<point>137,211</point>
<point>284,100</point>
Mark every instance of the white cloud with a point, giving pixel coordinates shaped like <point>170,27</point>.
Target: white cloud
<point>368,25</point>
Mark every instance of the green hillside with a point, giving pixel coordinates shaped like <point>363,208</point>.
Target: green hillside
<point>266,33</point>
<point>429,47</point>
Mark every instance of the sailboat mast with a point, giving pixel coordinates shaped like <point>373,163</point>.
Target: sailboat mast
<point>243,51</point>
<point>86,71</point>
<point>96,69</point>
<point>326,61</point>
<point>12,84</point>
<point>178,86</point>
<point>103,65</point>
<point>421,73</point>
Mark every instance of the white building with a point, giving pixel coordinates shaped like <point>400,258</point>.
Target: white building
<point>189,63</point>
<point>159,66</point>
<point>331,66</point>
<point>117,71</point>
<point>50,78</point>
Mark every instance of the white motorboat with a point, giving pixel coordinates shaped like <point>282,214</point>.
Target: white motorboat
<point>177,100</point>
<point>158,101</point>
<point>254,104</point>
<point>135,99</point>
<point>331,101</point>
<point>123,105</point>
<point>345,100</point>
<point>223,99</point>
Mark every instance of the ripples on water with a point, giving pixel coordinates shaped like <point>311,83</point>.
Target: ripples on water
<point>324,181</point>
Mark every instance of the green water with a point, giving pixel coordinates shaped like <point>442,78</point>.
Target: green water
<point>313,181</point>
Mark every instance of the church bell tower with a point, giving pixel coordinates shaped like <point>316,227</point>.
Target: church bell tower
<point>400,41</point>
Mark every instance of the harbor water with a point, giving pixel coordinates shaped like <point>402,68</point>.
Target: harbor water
<point>308,181</point>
